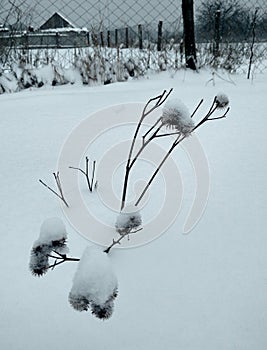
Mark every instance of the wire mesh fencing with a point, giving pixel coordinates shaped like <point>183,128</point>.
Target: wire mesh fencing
<point>226,30</point>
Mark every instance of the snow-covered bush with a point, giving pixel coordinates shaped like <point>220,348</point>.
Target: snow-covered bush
<point>175,115</point>
<point>95,285</point>
<point>52,237</point>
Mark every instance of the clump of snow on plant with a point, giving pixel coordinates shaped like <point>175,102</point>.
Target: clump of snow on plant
<point>222,100</point>
<point>94,284</point>
<point>52,229</point>
<point>52,237</point>
<point>128,220</point>
<point>176,115</point>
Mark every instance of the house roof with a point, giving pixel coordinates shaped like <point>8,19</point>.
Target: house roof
<point>56,21</point>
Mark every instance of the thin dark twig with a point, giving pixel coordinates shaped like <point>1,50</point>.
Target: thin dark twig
<point>60,259</point>
<point>200,103</point>
<point>179,140</point>
<point>93,173</point>
<point>169,134</point>
<point>82,171</point>
<point>152,127</point>
<point>57,178</point>
<point>156,171</point>
<point>160,99</point>
<point>86,173</point>
<point>61,196</point>
<point>118,241</point>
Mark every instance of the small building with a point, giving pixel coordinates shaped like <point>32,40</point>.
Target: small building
<point>56,21</point>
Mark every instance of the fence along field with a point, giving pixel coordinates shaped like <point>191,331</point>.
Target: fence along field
<point>131,37</point>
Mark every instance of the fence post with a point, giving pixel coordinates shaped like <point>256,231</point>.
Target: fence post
<point>102,39</point>
<point>159,36</point>
<point>189,33</point>
<point>57,40</point>
<point>126,37</point>
<point>116,38</point>
<point>140,36</point>
<point>217,33</point>
<point>108,38</point>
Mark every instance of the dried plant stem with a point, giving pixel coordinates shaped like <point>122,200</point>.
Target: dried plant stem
<point>156,102</point>
<point>179,140</point>
<point>58,183</point>
<point>60,259</point>
<point>118,241</point>
<point>90,182</point>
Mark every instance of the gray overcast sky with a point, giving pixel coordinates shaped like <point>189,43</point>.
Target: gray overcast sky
<point>113,13</point>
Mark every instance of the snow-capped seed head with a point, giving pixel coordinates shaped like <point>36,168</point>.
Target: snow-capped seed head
<point>52,229</point>
<point>95,285</point>
<point>128,220</point>
<point>103,312</point>
<point>176,115</point>
<point>39,263</point>
<point>222,100</point>
<point>78,302</point>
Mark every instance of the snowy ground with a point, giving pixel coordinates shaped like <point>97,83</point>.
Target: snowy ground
<point>206,290</point>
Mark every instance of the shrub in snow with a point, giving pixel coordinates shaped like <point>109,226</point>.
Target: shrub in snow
<point>176,115</point>
<point>52,237</point>
<point>222,100</point>
<point>128,220</point>
<point>94,284</point>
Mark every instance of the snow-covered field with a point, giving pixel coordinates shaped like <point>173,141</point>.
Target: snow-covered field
<point>205,290</point>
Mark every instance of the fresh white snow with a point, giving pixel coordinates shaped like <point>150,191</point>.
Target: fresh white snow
<point>175,115</point>
<point>205,290</point>
<point>52,229</point>
<point>94,278</point>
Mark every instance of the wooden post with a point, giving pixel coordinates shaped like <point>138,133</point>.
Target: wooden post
<point>108,38</point>
<point>140,36</point>
<point>189,33</point>
<point>102,39</point>
<point>159,44</point>
<point>216,33</point>
<point>126,37</point>
<point>57,40</point>
<point>116,38</point>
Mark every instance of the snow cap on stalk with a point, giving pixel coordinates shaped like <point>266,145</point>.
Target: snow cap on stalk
<point>176,115</point>
<point>52,237</point>
<point>222,100</point>
<point>128,219</point>
<point>94,284</point>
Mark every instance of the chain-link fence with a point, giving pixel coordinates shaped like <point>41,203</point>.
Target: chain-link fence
<point>225,29</point>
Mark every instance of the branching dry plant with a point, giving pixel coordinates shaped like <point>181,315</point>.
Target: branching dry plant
<point>89,179</point>
<point>95,286</point>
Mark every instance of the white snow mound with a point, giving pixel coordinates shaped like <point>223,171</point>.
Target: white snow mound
<point>52,229</point>
<point>94,278</point>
